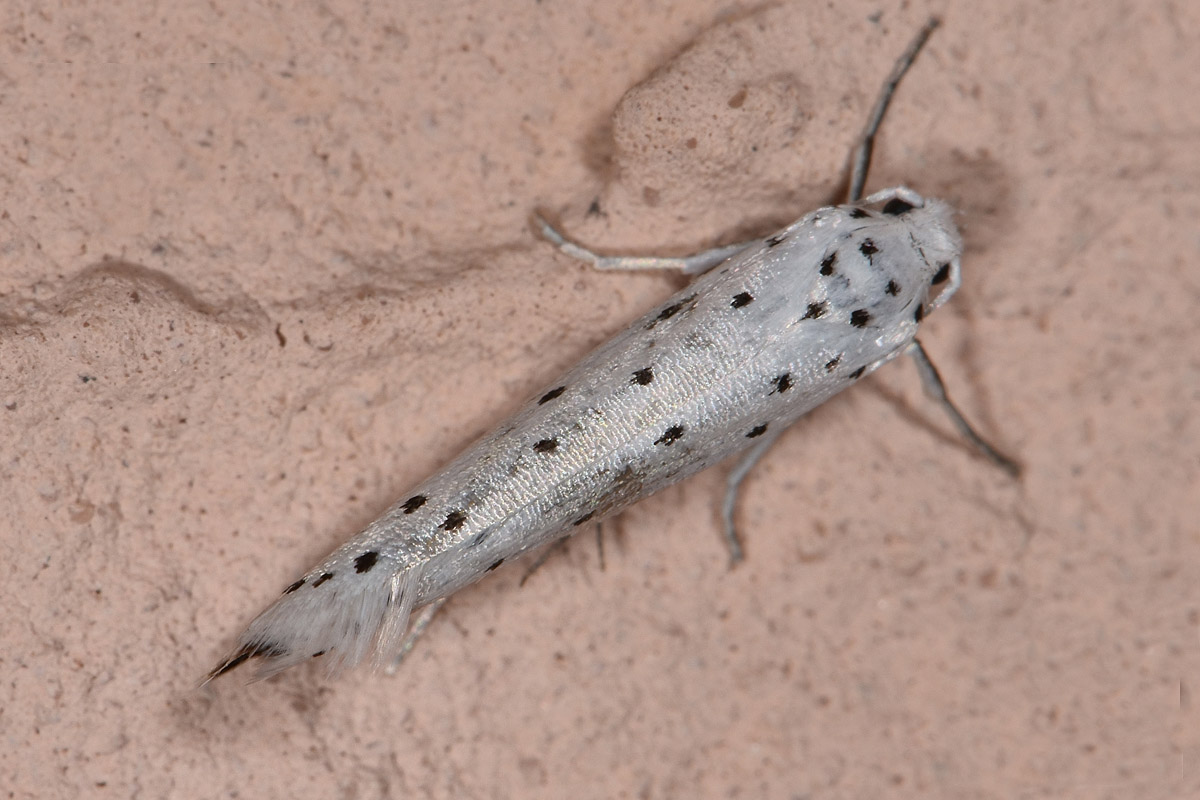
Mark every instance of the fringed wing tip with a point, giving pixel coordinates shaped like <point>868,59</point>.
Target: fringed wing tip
<point>362,618</point>
<point>228,665</point>
<point>273,662</point>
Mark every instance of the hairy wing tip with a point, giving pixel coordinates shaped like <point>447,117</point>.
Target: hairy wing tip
<point>265,650</point>
<point>364,620</point>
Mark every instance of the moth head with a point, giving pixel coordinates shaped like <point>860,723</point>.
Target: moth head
<point>934,236</point>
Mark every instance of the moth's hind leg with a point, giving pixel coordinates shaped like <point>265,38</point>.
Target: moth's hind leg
<point>419,624</point>
<point>688,265</point>
<point>733,484</point>
<point>560,546</point>
<point>936,389</point>
<point>423,617</point>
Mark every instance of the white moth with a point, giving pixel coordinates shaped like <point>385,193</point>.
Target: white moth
<point>771,329</point>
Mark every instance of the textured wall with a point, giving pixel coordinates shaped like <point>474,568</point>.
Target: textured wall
<point>261,270</point>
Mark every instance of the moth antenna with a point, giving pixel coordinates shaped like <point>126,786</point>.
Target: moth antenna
<point>862,155</point>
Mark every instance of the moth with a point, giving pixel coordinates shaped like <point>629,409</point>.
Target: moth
<point>768,330</point>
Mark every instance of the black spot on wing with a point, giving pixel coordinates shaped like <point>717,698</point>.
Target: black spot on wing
<point>942,274</point>
<point>546,445</point>
<point>550,395</point>
<point>832,363</point>
<point>816,310</point>
<point>757,430</point>
<point>493,566</point>
<point>860,318</point>
<point>895,207</point>
<point>893,288</point>
<point>294,586</point>
<point>782,383</point>
<point>775,240</point>
<point>742,299</point>
<point>858,373</point>
<point>827,263</point>
<point>454,521</point>
<point>671,311</point>
<point>643,377</point>
<point>413,503</point>
<point>670,436</point>
<point>365,562</point>
<point>868,249</point>
<point>322,579</point>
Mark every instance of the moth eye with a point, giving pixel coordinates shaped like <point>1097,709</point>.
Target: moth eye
<point>895,207</point>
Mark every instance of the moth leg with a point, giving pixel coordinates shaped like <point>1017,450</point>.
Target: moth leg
<point>733,484</point>
<point>936,390</point>
<point>420,623</point>
<point>600,544</point>
<point>542,558</point>
<point>688,265</point>
<point>558,546</point>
